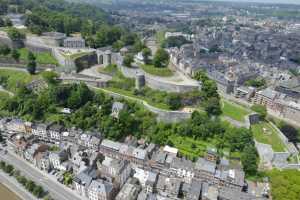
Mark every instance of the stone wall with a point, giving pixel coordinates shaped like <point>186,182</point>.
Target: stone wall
<point>86,61</point>
<point>155,82</point>
<point>37,48</point>
<point>6,41</point>
<point>161,115</point>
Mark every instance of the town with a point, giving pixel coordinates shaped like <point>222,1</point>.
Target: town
<point>151,100</point>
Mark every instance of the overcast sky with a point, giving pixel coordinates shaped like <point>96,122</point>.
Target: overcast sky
<point>267,1</point>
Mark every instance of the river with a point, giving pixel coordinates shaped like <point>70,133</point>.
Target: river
<point>6,194</point>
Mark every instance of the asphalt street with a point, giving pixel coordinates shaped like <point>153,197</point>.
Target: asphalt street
<point>57,191</point>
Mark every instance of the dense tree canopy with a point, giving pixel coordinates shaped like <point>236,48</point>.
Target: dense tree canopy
<point>161,58</point>
<point>285,184</point>
<point>174,41</point>
<point>15,35</point>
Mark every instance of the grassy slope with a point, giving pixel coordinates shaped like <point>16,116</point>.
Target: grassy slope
<point>15,78</point>
<point>41,58</point>
<point>157,71</point>
<point>234,111</point>
<point>272,138</point>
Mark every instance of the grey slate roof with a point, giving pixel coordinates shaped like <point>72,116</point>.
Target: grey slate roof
<point>205,165</point>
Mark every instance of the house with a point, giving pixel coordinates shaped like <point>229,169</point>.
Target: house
<point>194,191</point>
<point>118,170</point>
<point>41,161</point>
<point>244,93</point>
<point>74,42</point>
<point>57,158</point>
<point>83,180</point>
<point>16,125</point>
<point>168,187</point>
<point>100,190</point>
<point>232,178</point>
<point>129,191</point>
<point>55,131</point>
<point>3,123</point>
<point>110,148</point>
<point>18,143</point>
<point>209,192</point>
<point>40,131</point>
<point>170,150</point>
<point>211,154</point>
<point>151,181</point>
<point>182,168</point>
<point>117,107</point>
<point>205,170</point>
<point>32,150</point>
<point>266,97</point>
<point>230,194</point>
<point>89,141</point>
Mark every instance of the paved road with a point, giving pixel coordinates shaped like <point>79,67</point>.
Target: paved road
<point>15,187</point>
<point>56,190</point>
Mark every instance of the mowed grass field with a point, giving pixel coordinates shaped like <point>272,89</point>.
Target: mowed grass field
<point>265,133</point>
<point>234,111</point>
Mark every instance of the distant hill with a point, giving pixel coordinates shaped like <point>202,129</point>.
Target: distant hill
<point>157,1</point>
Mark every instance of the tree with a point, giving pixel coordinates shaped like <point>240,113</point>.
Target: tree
<point>31,65</point>
<point>15,54</point>
<point>161,58</point>
<point>50,77</point>
<point>146,52</point>
<point>7,22</point>
<point>15,35</point>
<point>128,60</point>
<point>249,160</point>
<point>9,169</point>
<point>4,49</point>
<point>22,180</point>
<point>258,82</point>
<point>38,191</point>
<point>213,107</point>
<point>30,185</point>
<point>174,101</point>
<point>261,110</point>
<point>290,132</point>
<point>174,41</point>
<point>2,23</point>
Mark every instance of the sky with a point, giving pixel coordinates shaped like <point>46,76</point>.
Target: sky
<point>268,1</point>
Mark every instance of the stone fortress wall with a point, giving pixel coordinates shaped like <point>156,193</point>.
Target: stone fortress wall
<point>155,82</point>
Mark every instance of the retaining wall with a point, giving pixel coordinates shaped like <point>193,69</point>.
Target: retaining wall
<point>161,115</point>
<point>155,82</point>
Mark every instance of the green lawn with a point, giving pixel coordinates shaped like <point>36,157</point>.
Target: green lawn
<point>157,71</point>
<point>78,55</point>
<point>160,37</point>
<point>109,69</point>
<point>234,111</point>
<point>15,78</point>
<point>265,133</point>
<point>41,58</point>
<point>130,94</point>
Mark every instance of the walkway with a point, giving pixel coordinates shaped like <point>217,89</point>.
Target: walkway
<point>57,191</point>
<point>12,184</point>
